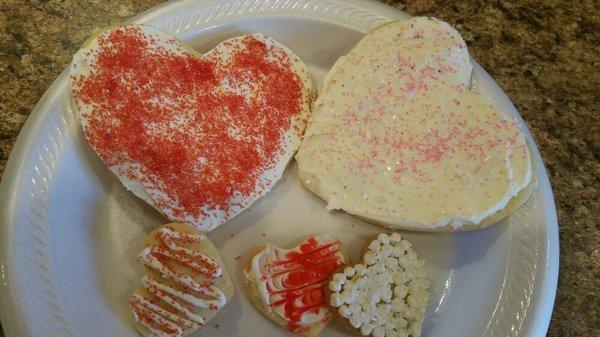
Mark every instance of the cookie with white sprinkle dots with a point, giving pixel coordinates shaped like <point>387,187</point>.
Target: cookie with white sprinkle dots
<point>385,295</point>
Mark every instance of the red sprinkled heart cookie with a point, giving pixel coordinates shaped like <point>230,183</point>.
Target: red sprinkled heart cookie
<point>385,295</point>
<point>287,285</point>
<point>199,137</point>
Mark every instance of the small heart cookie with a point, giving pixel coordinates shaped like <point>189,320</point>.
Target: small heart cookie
<point>386,294</point>
<point>186,286</point>
<point>287,285</point>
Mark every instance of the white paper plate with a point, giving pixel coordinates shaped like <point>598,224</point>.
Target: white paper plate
<point>70,232</point>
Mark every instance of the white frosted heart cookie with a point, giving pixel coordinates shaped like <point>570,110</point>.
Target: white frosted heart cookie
<point>198,137</point>
<point>287,285</point>
<point>399,137</point>
<point>385,295</point>
<point>186,286</point>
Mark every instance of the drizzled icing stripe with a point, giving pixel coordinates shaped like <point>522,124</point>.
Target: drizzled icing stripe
<point>290,282</point>
<point>167,236</point>
<point>161,322</point>
<point>182,318</point>
<point>161,291</point>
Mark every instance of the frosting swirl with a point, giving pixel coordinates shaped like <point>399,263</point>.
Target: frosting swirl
<point>290,281</point>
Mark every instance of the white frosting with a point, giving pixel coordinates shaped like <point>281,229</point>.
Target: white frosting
<point>398,136</point>
<point>379,300</point>
<point>184,320</point>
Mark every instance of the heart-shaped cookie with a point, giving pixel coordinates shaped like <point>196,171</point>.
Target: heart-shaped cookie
<point>186,286</point>
<point>199,137</point>
<point>385,294</point>
<point>287,285</point>
<point>399,137</point>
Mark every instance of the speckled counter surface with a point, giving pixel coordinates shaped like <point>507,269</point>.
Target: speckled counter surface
<point>544,54</point>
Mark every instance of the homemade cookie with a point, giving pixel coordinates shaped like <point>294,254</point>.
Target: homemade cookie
<point>186,286</point>
<point>386,294</point>
<point>399,137</point>
<point>198,137</point>
<point>286,285</point>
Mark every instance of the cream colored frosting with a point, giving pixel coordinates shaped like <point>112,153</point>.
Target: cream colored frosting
<point>398,136</point>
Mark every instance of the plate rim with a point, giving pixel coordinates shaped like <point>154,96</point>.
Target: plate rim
<point>15,174</point>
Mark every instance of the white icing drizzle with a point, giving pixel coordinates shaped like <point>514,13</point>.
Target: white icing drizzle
<point>167,236</point>
<point>154,316</point>
<point>387,296</point>
<point>160,321</point>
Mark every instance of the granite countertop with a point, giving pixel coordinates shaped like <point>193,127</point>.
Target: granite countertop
<point>545,54</point>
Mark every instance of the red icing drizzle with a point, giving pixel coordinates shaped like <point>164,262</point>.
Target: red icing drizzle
<point>196,145</point>
<point>305,271</point>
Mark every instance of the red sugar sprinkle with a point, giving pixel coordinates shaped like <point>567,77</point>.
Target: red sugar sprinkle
<point>196,145</point>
